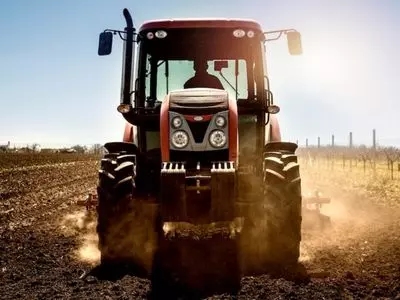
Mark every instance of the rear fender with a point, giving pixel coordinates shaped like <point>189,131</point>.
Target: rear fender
<point>115,147</point>
<point>130,134</point>
<point>275,131</point>
<point>280,146</point>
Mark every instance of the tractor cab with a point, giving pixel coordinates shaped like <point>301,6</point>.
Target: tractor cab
<point>197,64</point>
<point>182,54</point>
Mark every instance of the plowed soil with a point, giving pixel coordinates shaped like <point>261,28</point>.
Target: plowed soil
<point>47,243</point>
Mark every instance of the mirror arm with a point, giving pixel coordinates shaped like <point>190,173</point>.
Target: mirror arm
<point>119,32</point>
<point>275,38</point>
<point>280,32</point>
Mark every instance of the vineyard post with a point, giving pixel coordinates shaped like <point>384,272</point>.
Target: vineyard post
<point>333,156</point>
<point>319,146</point>
<point>350,140</point>
<point>374,151</point>
<point>374,139</point>
<point>350,146</point>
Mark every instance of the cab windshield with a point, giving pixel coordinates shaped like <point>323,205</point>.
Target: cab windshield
<point>210,58</point>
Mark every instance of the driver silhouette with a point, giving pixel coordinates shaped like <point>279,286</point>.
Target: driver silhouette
<point>202,79</point>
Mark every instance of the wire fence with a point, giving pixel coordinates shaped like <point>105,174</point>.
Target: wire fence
<point>372,139</point>
<point>369,160</point>
<point>379,161</point>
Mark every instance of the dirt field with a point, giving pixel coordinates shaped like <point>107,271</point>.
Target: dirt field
<point>47,242</point>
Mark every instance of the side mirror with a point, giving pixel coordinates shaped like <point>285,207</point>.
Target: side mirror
<point>105,43</point>
<point>294,42</point>
<point>220,64</point>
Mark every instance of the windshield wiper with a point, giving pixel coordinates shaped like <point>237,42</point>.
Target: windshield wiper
<point>227,81</point>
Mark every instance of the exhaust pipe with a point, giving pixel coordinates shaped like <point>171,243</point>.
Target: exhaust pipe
<point>129,54</point>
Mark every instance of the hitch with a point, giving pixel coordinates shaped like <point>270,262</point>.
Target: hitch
<point>316,202</point>
<point>312,211</point>
<point>90,202</point>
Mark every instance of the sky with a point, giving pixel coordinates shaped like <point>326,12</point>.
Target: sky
<point>55,90</point>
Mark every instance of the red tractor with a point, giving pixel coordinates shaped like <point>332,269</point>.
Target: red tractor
<point>201,155</point>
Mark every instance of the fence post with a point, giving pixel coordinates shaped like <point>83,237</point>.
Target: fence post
<point>350,146</point>
<point>350,140</point>
<point>374,139</point>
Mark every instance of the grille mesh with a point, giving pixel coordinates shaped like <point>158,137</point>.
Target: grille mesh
<point>198,130</point>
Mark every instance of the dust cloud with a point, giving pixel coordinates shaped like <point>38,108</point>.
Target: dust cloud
<point>82,224</point>
<point>357,224</point>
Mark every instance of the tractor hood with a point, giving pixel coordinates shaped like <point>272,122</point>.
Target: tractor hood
<point>198,101</point>
<point>198,107</point>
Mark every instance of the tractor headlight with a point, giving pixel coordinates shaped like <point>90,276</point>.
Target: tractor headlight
<point>180,139</point>
<point>217,139</point>
<point>176,122</point>
<point>220,121</point>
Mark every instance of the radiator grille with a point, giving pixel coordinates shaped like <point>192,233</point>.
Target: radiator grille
<point>198,130</point>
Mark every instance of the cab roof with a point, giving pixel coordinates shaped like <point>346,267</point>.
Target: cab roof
<point>201,23</point>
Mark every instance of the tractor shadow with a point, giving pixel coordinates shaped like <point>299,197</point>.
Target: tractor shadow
<point>195,268</point>
<point>188,269</point>
<point>212,286</point>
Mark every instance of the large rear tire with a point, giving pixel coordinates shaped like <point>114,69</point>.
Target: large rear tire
<point>272,230</point>
<point>282,205</point>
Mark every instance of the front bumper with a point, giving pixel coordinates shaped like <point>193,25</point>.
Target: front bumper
<point>200,195</point>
